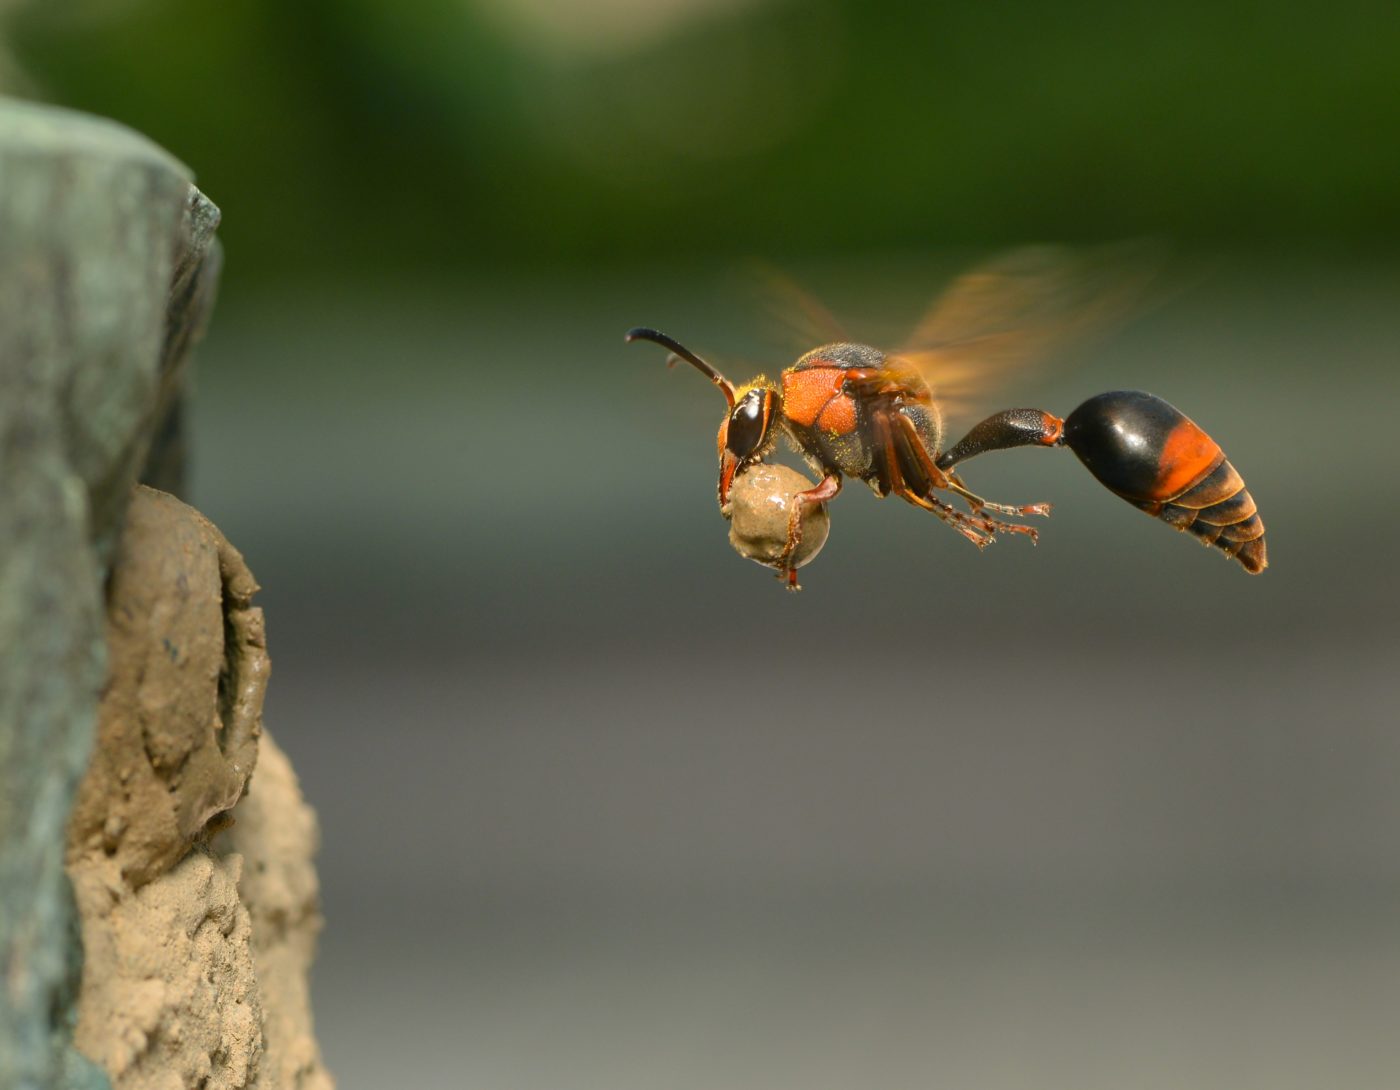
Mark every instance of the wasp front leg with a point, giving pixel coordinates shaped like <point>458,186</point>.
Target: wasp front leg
<point>802,502</point>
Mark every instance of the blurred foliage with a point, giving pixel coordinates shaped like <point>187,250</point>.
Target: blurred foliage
<point>384,135</point>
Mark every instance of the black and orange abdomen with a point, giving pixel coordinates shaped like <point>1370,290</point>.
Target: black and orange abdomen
<point>1157,459</point>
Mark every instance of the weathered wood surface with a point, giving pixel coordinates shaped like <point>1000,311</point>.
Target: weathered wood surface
<point>107,265</point>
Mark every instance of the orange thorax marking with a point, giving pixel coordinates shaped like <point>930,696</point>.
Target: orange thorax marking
<point>806,392</point>
<point>839,416</point>
<point>1187,455</point>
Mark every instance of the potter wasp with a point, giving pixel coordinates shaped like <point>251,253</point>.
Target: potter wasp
<point>852,410</point>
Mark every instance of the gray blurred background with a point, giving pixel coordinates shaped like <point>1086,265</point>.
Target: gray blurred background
<point>602,806</point>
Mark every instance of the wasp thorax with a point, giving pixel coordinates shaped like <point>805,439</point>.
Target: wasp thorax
<point>761,501</point>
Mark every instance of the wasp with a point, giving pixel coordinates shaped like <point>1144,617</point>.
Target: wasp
<point>853,410</point>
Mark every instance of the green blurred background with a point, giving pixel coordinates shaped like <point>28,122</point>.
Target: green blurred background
<point>602,806</point>
<point>363,136</point>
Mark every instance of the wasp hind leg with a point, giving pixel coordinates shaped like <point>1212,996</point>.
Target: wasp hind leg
<point>904,467</point>
<point>893,473</point>
<point>1002,431</point>
<point>919,476</point>
<point>979,531</point>
<point>977,503</point>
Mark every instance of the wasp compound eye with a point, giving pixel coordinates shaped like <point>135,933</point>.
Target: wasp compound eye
<point>748,423</point>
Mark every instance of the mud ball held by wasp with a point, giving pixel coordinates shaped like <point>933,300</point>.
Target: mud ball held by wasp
<point>760,502</point>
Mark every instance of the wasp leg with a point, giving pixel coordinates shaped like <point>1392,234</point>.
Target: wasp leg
<point>937,478</point>
<point>890,444</point>
<point>829,487</point>
<point>976,530</point>
<point>977,503</point>
<point>1007,429</point>
<point>1011,428</point>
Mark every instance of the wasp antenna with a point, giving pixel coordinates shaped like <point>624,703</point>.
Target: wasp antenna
<point>641,333</point>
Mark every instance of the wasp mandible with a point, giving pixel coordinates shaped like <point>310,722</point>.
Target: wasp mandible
<point>852,410</point>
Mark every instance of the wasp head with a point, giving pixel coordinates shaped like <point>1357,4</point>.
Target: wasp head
<point>747,434</point>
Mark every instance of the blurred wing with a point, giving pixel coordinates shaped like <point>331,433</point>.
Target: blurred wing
<point>794,318</point>
<point>1022,308</point>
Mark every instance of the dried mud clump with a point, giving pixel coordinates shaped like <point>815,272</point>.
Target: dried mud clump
<point>275,833</point>
<point>181,711</point>
<point>182,972</point>
<point>760,504</point>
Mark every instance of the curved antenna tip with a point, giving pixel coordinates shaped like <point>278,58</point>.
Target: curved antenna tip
<point>643,333</point>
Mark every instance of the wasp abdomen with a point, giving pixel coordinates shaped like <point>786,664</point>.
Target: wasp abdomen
<point>1159,460</point>
<point>1220,511</point>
